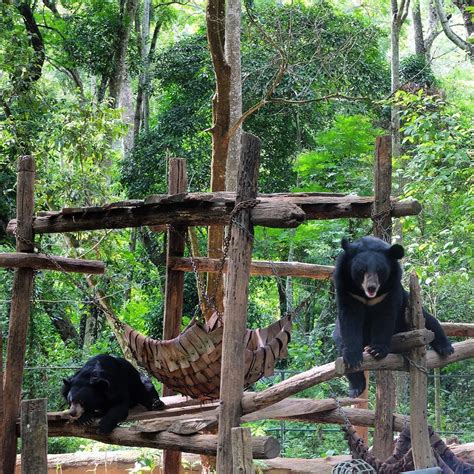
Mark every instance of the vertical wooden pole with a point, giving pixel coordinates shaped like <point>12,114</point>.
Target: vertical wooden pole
<point>236,299</point>
<point>19,312</point>
<point>420,439</point>
<point>177,183</point>
<point>242,451</point>
<point>385,379</point>
<point>34,437</point>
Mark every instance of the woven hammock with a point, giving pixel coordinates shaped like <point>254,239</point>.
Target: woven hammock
<point>191,363</point>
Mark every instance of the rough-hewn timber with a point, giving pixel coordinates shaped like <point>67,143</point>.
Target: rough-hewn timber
<point>295,269</point>
<point>202,209</point>
<point>39,261</point>
<point>264,447</point>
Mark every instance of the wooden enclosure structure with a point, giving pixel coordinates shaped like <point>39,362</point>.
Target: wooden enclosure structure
<point>183,426</point>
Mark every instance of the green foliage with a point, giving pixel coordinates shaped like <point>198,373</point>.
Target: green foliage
<point>415,69</point>
<point>315,40</point>
<point>341,159</point>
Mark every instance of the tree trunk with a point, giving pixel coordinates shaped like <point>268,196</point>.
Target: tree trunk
<point>395,75</point>
<point>232,55</point>
<point>418,28</point>
<point>117,75</point>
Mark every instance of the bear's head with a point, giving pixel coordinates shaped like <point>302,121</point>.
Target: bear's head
<point>370,262</point>
<point>85,396</point>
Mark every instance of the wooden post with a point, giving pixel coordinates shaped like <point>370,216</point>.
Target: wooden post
<point>19,313</point>
<point>242,451</point>
<point>34,437</point>
<point>385,380</point>
<point>236,299</point>
<point>420,439</point>
<point>177,183</point>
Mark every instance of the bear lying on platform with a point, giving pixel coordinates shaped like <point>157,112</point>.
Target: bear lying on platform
<point>371,305</point>
<point>106,388</point>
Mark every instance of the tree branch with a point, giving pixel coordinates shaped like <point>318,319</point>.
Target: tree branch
<point>457,40</point>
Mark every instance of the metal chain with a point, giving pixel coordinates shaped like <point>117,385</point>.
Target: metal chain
<point>347,422</point>
<point>416,366</point>
<point>211,300</point>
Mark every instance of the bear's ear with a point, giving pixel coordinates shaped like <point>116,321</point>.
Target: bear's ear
<point>396,251</point>
<point>345,244</point>
<point>99,382</point>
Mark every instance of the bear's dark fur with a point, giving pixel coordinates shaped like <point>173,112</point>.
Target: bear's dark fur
<point>371,304</point>
<point>107,387</point>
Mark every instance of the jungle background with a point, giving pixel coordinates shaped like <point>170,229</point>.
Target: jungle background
<point>103,92</point>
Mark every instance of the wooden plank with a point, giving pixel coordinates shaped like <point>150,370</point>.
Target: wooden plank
<point>174,289</point>
<point>242,451</point>
<point>34,437</point>
<point>385,380</point>
<point>236,300</point>
<point>19,311</point>
<point>40,261</point>
<point>263,447</point>
<point>462,350</point>
<point>458,329</point>
<point>203,209</point>
<point>423,456</point>
<point>262,268</point>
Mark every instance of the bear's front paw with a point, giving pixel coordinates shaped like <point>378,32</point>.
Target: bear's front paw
<point>352,359</point>
<point>377,351</point>
<point>106,427</point>
<point>443,349</point>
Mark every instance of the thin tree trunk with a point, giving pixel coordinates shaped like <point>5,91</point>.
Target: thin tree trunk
<point>143,79</point>
<point>418,28</point>
<point>433,30</point>
<point>233,58</point>
<point>395,76</point>
<point>117,75</point>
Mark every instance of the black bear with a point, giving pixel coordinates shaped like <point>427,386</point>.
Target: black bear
<point>107,387</point>
<point>371,304</point>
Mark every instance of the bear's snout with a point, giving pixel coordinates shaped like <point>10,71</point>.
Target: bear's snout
<point>371,284</point>
<point>75,410</point>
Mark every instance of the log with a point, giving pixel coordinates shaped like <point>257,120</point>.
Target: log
<point>385,380</point>
<point>195,209</point>
<point>357,416</point>
<point>19,312</point>
<point>34,437</point>
<point>423,456</point>
<point>39,261</point>
<point>236,302</point>
<point>405,341</point>
<point>263,447</point>
<point>241,451</point>
<point>462,350</point>
<point>174,287</point>
<point>458,329</point>
<point>295,269</point>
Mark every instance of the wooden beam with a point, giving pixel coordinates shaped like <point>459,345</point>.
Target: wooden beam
<point>19,311</point>
<point>262,268</point>
<point>263,447</point>
<point>423,456</point>
<point>203,209</point>
<point>458,329</point>
<point>34,437</point>
<point>385,380</point>
<point>39,261</point>
<point>241,451</point>
<point>174,287</point>
<point>462,350</point>
<point>236,302</point>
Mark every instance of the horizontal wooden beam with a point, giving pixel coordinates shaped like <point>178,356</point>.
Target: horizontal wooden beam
<point>252,402</point>
<point>263,447</point>
<point>263,268</point>
<point>458,329</point>
<point>204,209</point>
<point>38,261</point>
